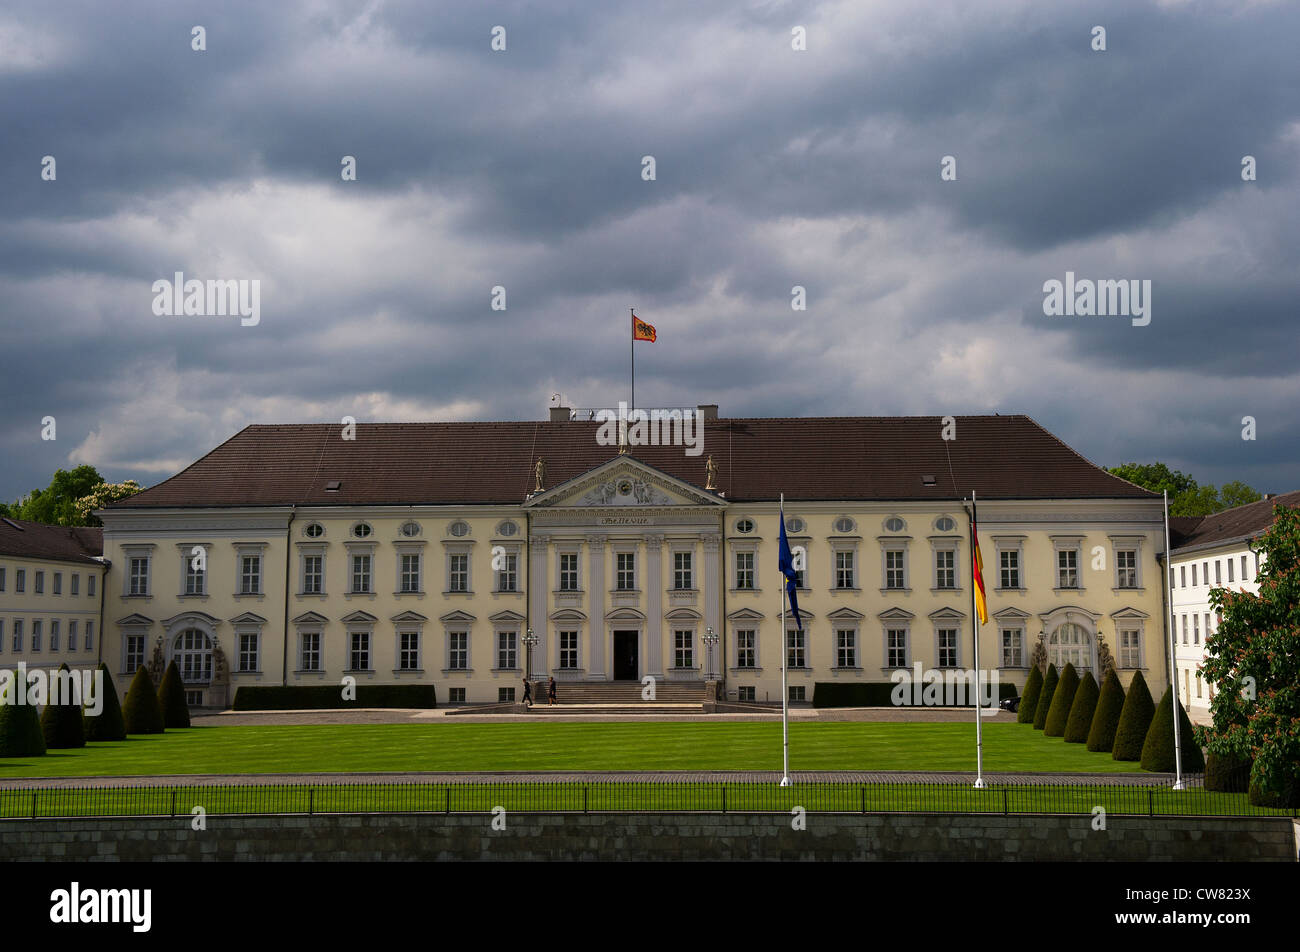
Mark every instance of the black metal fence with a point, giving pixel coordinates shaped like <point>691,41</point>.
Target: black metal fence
<point>626,797</point>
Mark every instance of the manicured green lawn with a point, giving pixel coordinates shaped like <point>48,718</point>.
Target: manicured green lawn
<point>454,746</point>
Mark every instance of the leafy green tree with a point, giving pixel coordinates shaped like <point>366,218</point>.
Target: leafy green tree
<point>1186,497</point>
<point>1237,493</point>
<point>1201,501</point>
<point>61,723</point>
<point>1081,711</point>
<point>1226,774</point>
<point>1029,697</point>
<point>56,504</point>
<point>20,728</point>
<point>1045,697</point>
<point>1134,720</point>
<point>1062,698</point>
<point>1252,661</point>
<point>1105,720</point>
<point>1158,746</point>
<point>101,496</point>
<point>141,710</point>
<point>108,724</point>
<point>1156,477</point>
<point>171,696</point>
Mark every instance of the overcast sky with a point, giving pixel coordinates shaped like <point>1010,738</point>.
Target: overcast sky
<point>774,167</point>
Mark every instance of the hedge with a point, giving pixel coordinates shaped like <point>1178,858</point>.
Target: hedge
<point>61,723</point>
<point>1225,773</point>
<point>1062,698</point>
<point>109,723</point>
<point>1105,720</point>
<point>319,697</point>
<point>171,698</point>
<point>1029,699</point>
<point>877,694</point>
<point>1081,711</point>
<point>20,728</point>
<point>1288,799</point>
<point>1158,747</point>
<point>141,711</point>
<point>1134,720</point>
<point>1045,697</point>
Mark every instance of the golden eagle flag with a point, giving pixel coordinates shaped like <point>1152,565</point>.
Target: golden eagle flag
<point>981,607</point>
<point>641,330</point>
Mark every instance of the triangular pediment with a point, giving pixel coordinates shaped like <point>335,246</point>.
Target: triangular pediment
<point>136,619</point>
<point>248,618</point>
<point>310,618</point>
<point>625,482</point>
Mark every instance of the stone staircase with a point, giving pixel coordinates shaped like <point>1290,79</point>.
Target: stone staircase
<point>620,697</point>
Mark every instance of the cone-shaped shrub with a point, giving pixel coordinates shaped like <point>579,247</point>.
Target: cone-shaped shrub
<point>1225,773</point>
<point>108,724</point>
<point>1081,711</point>
<point>141,711</point>
<point>1288,799</point>
<point>1134,720</point>
<point>171,696</point>
<point>1029,697</point>
<point>1105,720</point>
<point>20,728</point>
<point>1045,697</point>
<point>1062,699</point>
<point>1158,747</point>
<point>61,723</point>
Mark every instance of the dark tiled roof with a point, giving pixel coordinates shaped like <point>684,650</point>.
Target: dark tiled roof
<point>36,541</point>
<point>1240,522</point>
<point>846,458</point>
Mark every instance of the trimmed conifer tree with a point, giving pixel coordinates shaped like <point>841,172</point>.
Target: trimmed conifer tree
<point>108,724</point>
<point>171,697</point>
<point>1062,699</point>
<point>20,728</point>
<point>1225,773</point>
<point>1105,720</point>
<point>141,711</point>
<point>1029,697</point>
<point>1045,697</point>
<point>1158,747</point>
<point>1134,720</point>
<point>61,723</point>
<point>1081,711</point>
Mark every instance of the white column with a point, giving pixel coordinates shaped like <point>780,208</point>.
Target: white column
<point>596,601</point>
<point>713,599</point>
<point>538,553</point>
<point>653,664</point>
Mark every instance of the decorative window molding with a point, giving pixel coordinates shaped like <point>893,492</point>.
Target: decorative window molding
<point>1126,574</point>
<point>895,572</point>
<point>1009,562</point>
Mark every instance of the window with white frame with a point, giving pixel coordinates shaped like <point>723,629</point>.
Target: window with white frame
<point>458,650</point>
<point>362,580</point>
<point>58,583</point>
<point>1009,568</point>
<point>250,575</point>
<point>72,634</point>
<point>195,570</point>
<point>359,651</point>
<point>1013,647</point>
<point>1229,561</point>
<point>945,568</point>
<point>1067,568</point>
<point>2,578</point>
<point>192,652</point>
<point>54,634</point>
<point>458,571</point>
<point>947,647</point>
<point>896,647</point>
<point>1196,629</point>
<point>846,648</point>
<point>1194,583</point>
<point>74,582</point>
<point>507,650</point>
<point>313,575</point>
<point>746,648</point>
<point>795,648</point>
<point>683,574</point>
<point>20,580</point>
<point>683,648</point>
<point>845,569</point>
<point>90,636</point>
<point>138,575</point>
<point>745,571</point>
<point>1182,575</point>
<point>37,633</point>
<point>1070,644</point>
<point>309,651</point>
<point>409,567</point>
<point>248,651</point>
<point>896,569</point>
<point>134,647</point>
<point>455,695</point>
<point>408,650</point>
<point>568,650</point>
<point>18,636</point>
<point>508,574</point>
<point>1126,567</point>
<point>1244,577</point>
<point>90,585</point>
<point>39,587</point>
<point>625,571</point>
<point>1184,629</point>
<point>569,572</point>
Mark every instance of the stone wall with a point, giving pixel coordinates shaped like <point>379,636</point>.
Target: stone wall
<point>386,837</point>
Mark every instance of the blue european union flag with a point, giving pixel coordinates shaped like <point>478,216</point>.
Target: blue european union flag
<point>791,576</point>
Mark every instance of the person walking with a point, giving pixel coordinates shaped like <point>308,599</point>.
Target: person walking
<point>550,690</point>
<point>528,693</point>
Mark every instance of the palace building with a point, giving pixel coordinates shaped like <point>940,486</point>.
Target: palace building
<point>466,555</point>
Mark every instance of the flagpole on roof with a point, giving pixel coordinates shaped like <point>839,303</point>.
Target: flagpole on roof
<point>975,618</point>
<point>785,691</point>
<point>632,406</point>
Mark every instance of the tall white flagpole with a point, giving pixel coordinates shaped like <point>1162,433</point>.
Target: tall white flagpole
<point>1173,657</point>
<point>785,658</point>
<point>975,616</point>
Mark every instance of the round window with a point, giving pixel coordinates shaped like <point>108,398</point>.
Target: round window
<point>459,528</point>
<point>410,529</point>
<point>624,487</point>
<point>314,531</point>
<point>844,524</point>
<point>945,524</point>
<point>794,524</point>
<point>362,530</point>
<point>507,529</point>
<point>745,525</point>
<point>895,524</point>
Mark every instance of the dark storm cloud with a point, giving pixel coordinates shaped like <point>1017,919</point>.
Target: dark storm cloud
<point>522,169</point>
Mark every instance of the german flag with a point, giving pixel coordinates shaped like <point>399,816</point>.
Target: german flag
<point>641,330</point>
<point>981,607</point>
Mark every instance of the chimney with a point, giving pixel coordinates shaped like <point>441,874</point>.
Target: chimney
<point>708,411</point>
<point>1269,495</point>
<point>560,414</point>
